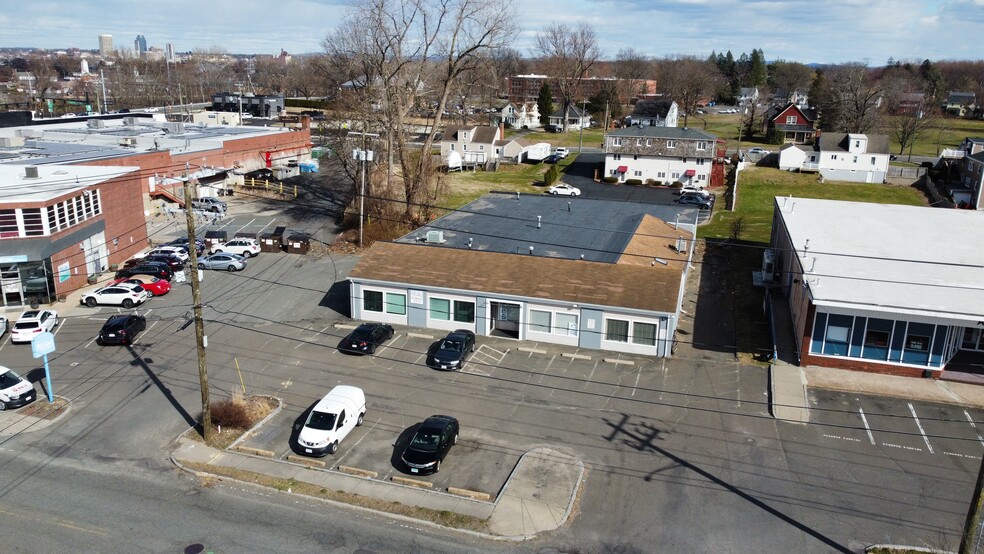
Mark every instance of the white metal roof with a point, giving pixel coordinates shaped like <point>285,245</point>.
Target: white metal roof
<point>53,180</point>
<point>890,259</point>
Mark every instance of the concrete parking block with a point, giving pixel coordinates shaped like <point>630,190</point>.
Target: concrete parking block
<point>470,494</point>
<point>358,471</point>
<point>256,451</point>
<point>531,350</point>
<point>306,461</point>
<point>575,356</point>
<point>411,482</point>
<point>617,361</point>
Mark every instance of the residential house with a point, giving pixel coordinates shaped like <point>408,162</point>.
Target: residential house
<point>654,112</point>
<point>576,119</point>
<point>910,103</point>
<point>587,273</point>
<point>797,97</point>
<point>850,157</point>
<point>511,149</point>
<point>662,154</point>
<point>876,292</point>
<point>748,95</point>
<point>525,115</point>
<point>474,143</point>
<point>960,104</point>
<point>795,123</point>
<point>970,167</point>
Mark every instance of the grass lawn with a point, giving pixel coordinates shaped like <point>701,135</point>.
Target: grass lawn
<point>466,186</point>
<point>589,138</point>
<point>757,186</point>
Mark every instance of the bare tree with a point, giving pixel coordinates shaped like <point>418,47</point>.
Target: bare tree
<point>393,50</point>
<point>910,126</point>
<point>855,100</point>
<point>788,77</point>
<point>688,80</point>
<point>568,53</point>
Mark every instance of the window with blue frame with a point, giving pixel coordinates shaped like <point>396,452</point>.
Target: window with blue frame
<point>838,332</point>
<point>877,338</point>
<point>918,340</point>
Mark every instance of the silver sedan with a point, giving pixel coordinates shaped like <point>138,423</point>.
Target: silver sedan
<point>224,260</point>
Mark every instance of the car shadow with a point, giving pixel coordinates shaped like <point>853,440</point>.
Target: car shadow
<point>400,444</point>
<point>295,429</point>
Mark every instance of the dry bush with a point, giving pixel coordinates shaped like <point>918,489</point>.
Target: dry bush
<point>239,412</point>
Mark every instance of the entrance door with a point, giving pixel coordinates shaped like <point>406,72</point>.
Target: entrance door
<point>10,284</point>
<point>504,319</point>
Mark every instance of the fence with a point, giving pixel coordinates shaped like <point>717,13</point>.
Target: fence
<point>254,185</point>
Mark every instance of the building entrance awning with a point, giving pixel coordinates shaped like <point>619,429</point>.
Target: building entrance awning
<point>622,168</point>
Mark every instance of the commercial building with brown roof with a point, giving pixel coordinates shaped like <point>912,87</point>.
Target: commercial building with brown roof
<point>588,273</point>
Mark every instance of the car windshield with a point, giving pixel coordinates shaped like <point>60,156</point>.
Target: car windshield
<point>9,379</point>
<point>426,440</point>
<point>322,421</point>
<point>452,346</point>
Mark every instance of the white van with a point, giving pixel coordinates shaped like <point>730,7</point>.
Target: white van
<point>15,391</point>
<point>331,420</point>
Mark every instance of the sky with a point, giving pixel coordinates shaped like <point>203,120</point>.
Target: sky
<point>807,31</point>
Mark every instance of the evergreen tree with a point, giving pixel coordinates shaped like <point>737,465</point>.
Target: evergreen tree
<point>758,73</point>
<point>544,102</point>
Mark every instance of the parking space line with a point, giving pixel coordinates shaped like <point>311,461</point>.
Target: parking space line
<point>90,341</point>
<point>590,375</point>
<point>316,335</point>
<point>352,448</point>
<point>919,425</point>
<point>61,323</point>
<point>247,225</point>
<point>385,346</point>
<point>842,438</point>
<point>636,385</point>
<point>971,421</point>
<point>866,427</point>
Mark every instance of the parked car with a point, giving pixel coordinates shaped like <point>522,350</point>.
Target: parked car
<point>15,391</point>
<point>561,151</point>
<point>209,204</point>
<point>121,329</point>
<point>701,203</point>
<point>551,129</point>
<point>153,285</point>
<point>154,269</point>
<point>228,262</point>
<point>3,325</point>
<point>172,262</point>
<point>757,150</point>
<point>331,420</point>
<point>242,246</point>
<point>176,251</point>
<point>430,444</point>
<point>552,159</point>
<point>31,323</point>
<point>452,351</point>
<point>700,194</point>
<point>199,245</point>
<point>564,189</point>
<point>366,338</point>
<point>124,295</point>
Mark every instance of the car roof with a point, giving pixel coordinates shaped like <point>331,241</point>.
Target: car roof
<point>438,421</point>
<point>339,398</point>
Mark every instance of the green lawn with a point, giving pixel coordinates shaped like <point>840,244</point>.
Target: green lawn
<point>570,139</point>
<point>758,186</point>
<point>527,178</point>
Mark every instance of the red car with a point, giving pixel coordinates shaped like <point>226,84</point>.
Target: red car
<point>153,285</point>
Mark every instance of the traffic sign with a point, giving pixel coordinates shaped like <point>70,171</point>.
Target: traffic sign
<point>43,344</point>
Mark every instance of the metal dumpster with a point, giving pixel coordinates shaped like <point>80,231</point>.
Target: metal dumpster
<point>273,241</point>
<point>213,238</point>
<point>298,243</point>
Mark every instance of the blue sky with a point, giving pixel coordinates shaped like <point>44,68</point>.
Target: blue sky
<point>834,31</point>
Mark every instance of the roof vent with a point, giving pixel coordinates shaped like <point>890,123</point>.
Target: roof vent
<point>538,219</point>
<point>31,172</point>
<point>436,237</point>
<point>681,245</point>
<point>95,124</point>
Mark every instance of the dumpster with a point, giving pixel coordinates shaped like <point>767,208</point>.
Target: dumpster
<point>273,241</point>
<point>298,243</point>
<point>214,238</point>
<point>245,235</point>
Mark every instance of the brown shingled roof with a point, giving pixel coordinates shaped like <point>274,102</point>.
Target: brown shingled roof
<point>655,239</point>
<point>644,287</point>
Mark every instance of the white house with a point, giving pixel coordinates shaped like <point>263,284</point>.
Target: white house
<point>576,119</point>
<point>852,157</point>
<point>663,154</point>
<point>521,116</point>
<point>748,95</point>
<point>657,113</point>
<point>475,143</point>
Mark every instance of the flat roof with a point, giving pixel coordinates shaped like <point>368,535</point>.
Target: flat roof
<point>53,180</point>
<point>889,258</point>
<point>569,228</point>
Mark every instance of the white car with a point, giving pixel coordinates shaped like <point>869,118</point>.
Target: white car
<point>120,294</point>
<point>179,252</point>
<point>561,152</point>
<point>564,189</point>
<point>31,323</point>
<point>242,246</point>
<point>15,391</point>
<point>331,420</point>
<point>3,325</point>
<point>757,150</point>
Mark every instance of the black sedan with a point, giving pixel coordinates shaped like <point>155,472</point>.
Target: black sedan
<point>430,444</point>
<point>452,351</point>
<point>121,329</point>
<point>199,245</point>
<point>366,338</point>
<point>155,269</point>
<point>172,262</point>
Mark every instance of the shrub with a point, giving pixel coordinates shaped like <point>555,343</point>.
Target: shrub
<point>677,185</point>
<point>551,175</point>
<point>239,412</point>
<point>650,182</point>
<point>635,182</point>
<point>609,179</point>
<point>658,183</point>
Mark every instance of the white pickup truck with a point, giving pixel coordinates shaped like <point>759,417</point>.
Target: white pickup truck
<point>209,204</point>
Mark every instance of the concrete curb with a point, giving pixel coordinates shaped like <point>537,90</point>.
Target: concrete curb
<point>420,336</point>
<point>359,472</point>
<point>411,482</point>
<point>470,494</point>
<point>616,361</point>
<point>22,423</point>
<point>256,451</point>
<point>344,326</point>
<point>530,350</point>
<point>306,461</point>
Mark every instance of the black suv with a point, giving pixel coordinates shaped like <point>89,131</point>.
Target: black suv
<point>121,329</point>
<point>155,269</point>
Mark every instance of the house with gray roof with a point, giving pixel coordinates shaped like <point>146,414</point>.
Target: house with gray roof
<point>580,272</point>
<point>851,157</point>
<point>575,117</point>
<point>474,143</point>
<point>664,155</point>
<point>877,292</point>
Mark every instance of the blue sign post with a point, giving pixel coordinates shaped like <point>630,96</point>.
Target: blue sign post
<point>42,345</point>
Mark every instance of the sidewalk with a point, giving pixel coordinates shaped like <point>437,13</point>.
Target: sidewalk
<point>537,497</point>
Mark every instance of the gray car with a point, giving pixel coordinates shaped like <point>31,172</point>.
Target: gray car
<point>225,260</point>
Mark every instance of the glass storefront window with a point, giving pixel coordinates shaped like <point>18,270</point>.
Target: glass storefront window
<point>372,300</point>
<point>644,333</point>
<point>464,312</point>
<point>566,325</point>
<point>540,321</point>
<point>617,330</point>
<point>440,308</point>
<point>396,303</point>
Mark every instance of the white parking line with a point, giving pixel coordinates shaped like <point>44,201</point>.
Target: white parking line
<point>902,447</point>
<point>636,385</point>
<point>91,341</point>
<point>61,323</point>
<point>590,375</point>
<point>971,421</point>
<point>919,425</point>
<point>962,455</point>
<point>352,448</point>
<point>247,225</point>
<point>842,438</point>
<point>866,427</point>
<point>316,335</point>
<point>264,227</point>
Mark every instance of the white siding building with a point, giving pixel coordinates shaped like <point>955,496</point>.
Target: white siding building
<point>665,155</point>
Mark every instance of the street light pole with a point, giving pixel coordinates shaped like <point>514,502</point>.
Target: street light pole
<point>364,156</point>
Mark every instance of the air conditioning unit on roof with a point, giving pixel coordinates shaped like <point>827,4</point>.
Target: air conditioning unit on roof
<point>436,237</point>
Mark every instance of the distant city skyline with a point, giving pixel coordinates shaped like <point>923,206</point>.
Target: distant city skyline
<point>833,32</point>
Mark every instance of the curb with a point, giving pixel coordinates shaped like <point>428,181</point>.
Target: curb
<point>411,482</point>
<point>358,471</point>
<point>256,451</point>
<point>305,461</point>
<point>616,361</point>
<point>575,356</point>
<point>248,432</point>
<point>420,336</point>
<point>475,495</point>
<point>530,350</point>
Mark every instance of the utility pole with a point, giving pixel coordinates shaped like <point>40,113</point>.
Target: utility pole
<point>580,136</point>
<point>972,528</point>
<point>364,156</point>
<point>196,299</point>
